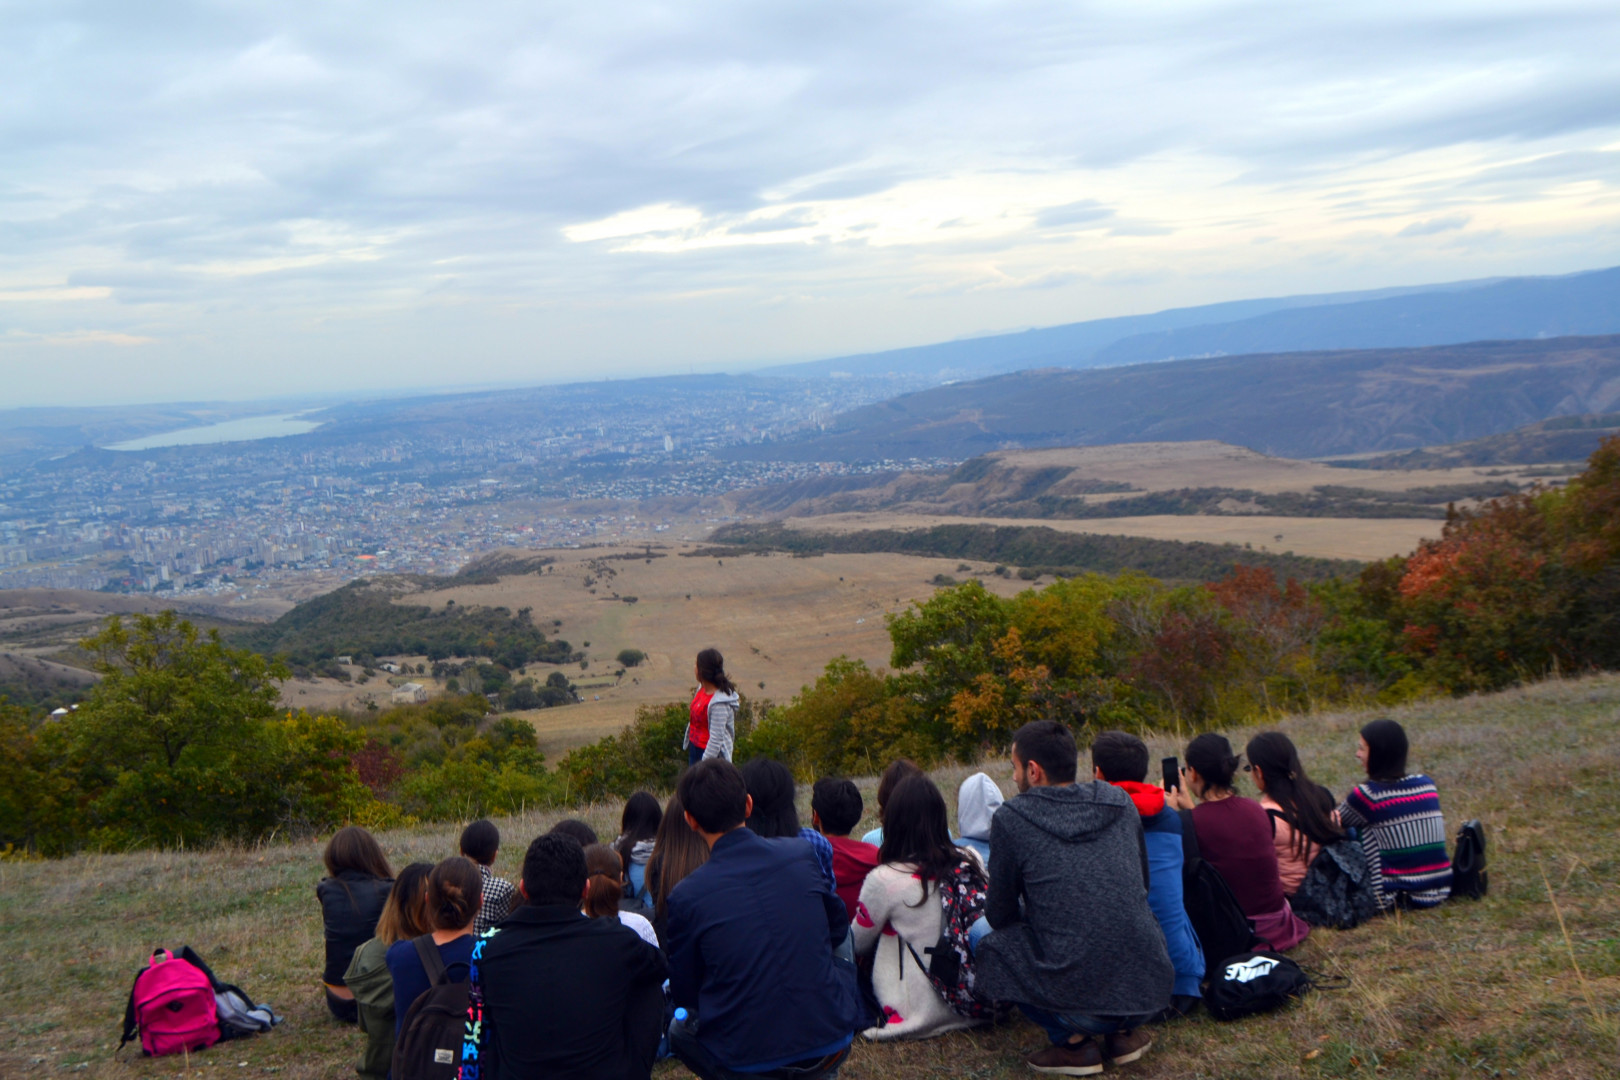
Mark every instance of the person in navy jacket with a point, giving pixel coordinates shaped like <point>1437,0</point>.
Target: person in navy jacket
<point>750,943</point>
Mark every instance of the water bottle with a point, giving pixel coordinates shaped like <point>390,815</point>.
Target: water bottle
<point>681,1015</point>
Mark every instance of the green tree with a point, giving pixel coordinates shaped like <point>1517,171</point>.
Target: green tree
<point>181,743</point>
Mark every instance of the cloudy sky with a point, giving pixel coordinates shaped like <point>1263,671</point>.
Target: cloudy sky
<point>239,199</point>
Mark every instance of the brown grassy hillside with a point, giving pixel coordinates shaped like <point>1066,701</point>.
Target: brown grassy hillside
<point>1471,990</point>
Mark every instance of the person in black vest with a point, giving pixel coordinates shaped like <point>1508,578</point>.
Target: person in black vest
<point>751,938</point>
<point>566,996</point>
<point>352,896</point>
<point>1073,939</point>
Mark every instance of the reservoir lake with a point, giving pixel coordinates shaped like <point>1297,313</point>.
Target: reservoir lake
<point>244,430</point>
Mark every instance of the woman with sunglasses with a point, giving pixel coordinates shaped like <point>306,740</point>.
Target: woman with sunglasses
<point>1234,836</point>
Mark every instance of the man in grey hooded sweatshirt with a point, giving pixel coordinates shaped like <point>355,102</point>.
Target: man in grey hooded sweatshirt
<point>1083,956</point>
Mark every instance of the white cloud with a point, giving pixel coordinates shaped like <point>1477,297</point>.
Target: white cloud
<point>286,195</point>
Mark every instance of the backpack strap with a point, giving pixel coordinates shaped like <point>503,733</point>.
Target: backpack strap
<point>432,962</point>
<point>129,1014</point>
<point>1189,837</point>
<point>190,956</point>
<point>1275,816</point>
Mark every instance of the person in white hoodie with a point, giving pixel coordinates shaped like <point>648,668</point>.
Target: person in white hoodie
<point>976,803</point>
<point>712,729</point>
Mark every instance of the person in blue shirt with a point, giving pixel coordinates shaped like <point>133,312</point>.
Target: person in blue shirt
<point>1122,759</point>
<point>453,892</point>
<point>750,944</point>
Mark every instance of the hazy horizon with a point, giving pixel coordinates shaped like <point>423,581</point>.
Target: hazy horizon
<point>276,201</point>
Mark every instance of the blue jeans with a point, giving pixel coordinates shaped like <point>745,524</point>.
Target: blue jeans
<point>683,1042</point>
<point>694,754</point>
<point>1059,1026</point>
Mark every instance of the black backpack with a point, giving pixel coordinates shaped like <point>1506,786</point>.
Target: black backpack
<point>1216,916</point>
<point>1252,983</point>
<point>1338,889</point>
<point>1468,874</point>
<point>435,1028</point>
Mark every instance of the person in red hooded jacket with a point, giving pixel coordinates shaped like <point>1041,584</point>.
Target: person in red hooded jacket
<point>1122,760</point>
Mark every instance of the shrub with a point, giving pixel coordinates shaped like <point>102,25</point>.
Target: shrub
<point>631,657</point>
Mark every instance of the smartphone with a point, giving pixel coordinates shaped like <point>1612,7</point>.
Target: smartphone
<point>1172,772</point>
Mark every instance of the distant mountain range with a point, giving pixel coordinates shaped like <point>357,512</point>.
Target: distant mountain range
<point>1485,310</point>
<point>1303,404</point>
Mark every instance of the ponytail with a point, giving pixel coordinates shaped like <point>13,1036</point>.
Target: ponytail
<point>454,891</point>
<point>1212,756</point>
<point>711,668</point>
<point>604,887</point>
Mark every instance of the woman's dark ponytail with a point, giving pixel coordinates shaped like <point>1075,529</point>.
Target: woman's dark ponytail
<point>711,668</point>
<point>1212,756</point>
<point>454,890</point>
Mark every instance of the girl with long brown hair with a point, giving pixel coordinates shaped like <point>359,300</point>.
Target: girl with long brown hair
<point>604,871</point>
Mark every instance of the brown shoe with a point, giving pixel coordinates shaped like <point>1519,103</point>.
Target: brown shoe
<point>1124,1047</point>
<point>1072,1059</point>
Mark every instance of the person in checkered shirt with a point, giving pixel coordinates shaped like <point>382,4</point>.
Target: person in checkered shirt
<point>481,842</point>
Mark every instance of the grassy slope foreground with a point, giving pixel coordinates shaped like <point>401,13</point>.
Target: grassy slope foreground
<point>1488,989</point>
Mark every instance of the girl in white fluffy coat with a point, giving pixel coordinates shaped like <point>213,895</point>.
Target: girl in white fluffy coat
<point>900,914</point>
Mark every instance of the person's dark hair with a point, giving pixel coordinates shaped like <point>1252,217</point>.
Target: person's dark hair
<point>1212,756</point>
<point>677,851</point>
<point>1051,746</point>
<point>554,870</point>
<point>916,831</point>
<point>771,786</point>
<point>711,668</point>
<point>1386,749</point>
<point>838,803</point>
<point>715,794</point>
<point>576,830</point>
<point>1121,756</point>
<point>454,889</point>
<point>604,887</point>
<point>898,770</point>
<point>1305,803</point>
<point>404,913</point>
<point>638,822</point>
<point>480,841</point>
<point>353,848</point>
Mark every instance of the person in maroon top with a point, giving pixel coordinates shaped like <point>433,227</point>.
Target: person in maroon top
<point>1234,836</point>
<point>835,810</point>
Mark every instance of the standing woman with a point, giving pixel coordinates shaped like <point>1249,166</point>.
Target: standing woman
<point>713,726</point>
<point>352,896</point>
<point>1402,829</point>
<point>1303,820</point>
<point>1234,836</point>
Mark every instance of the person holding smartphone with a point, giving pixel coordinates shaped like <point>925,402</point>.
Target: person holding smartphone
<point>1234,836</point>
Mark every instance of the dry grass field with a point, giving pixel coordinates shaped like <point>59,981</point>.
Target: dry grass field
<point>1170,465</point>
<point>777,619</point>
<point>1523,984</point>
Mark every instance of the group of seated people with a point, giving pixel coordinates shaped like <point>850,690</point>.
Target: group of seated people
<point>719,929</point>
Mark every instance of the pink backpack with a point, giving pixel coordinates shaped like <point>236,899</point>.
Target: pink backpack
<point>172,1006</point>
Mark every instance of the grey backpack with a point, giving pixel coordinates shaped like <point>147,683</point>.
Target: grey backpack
<point>1338,890</point>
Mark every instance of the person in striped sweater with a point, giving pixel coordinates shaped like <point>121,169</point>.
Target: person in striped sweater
<point>1398,815</point>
